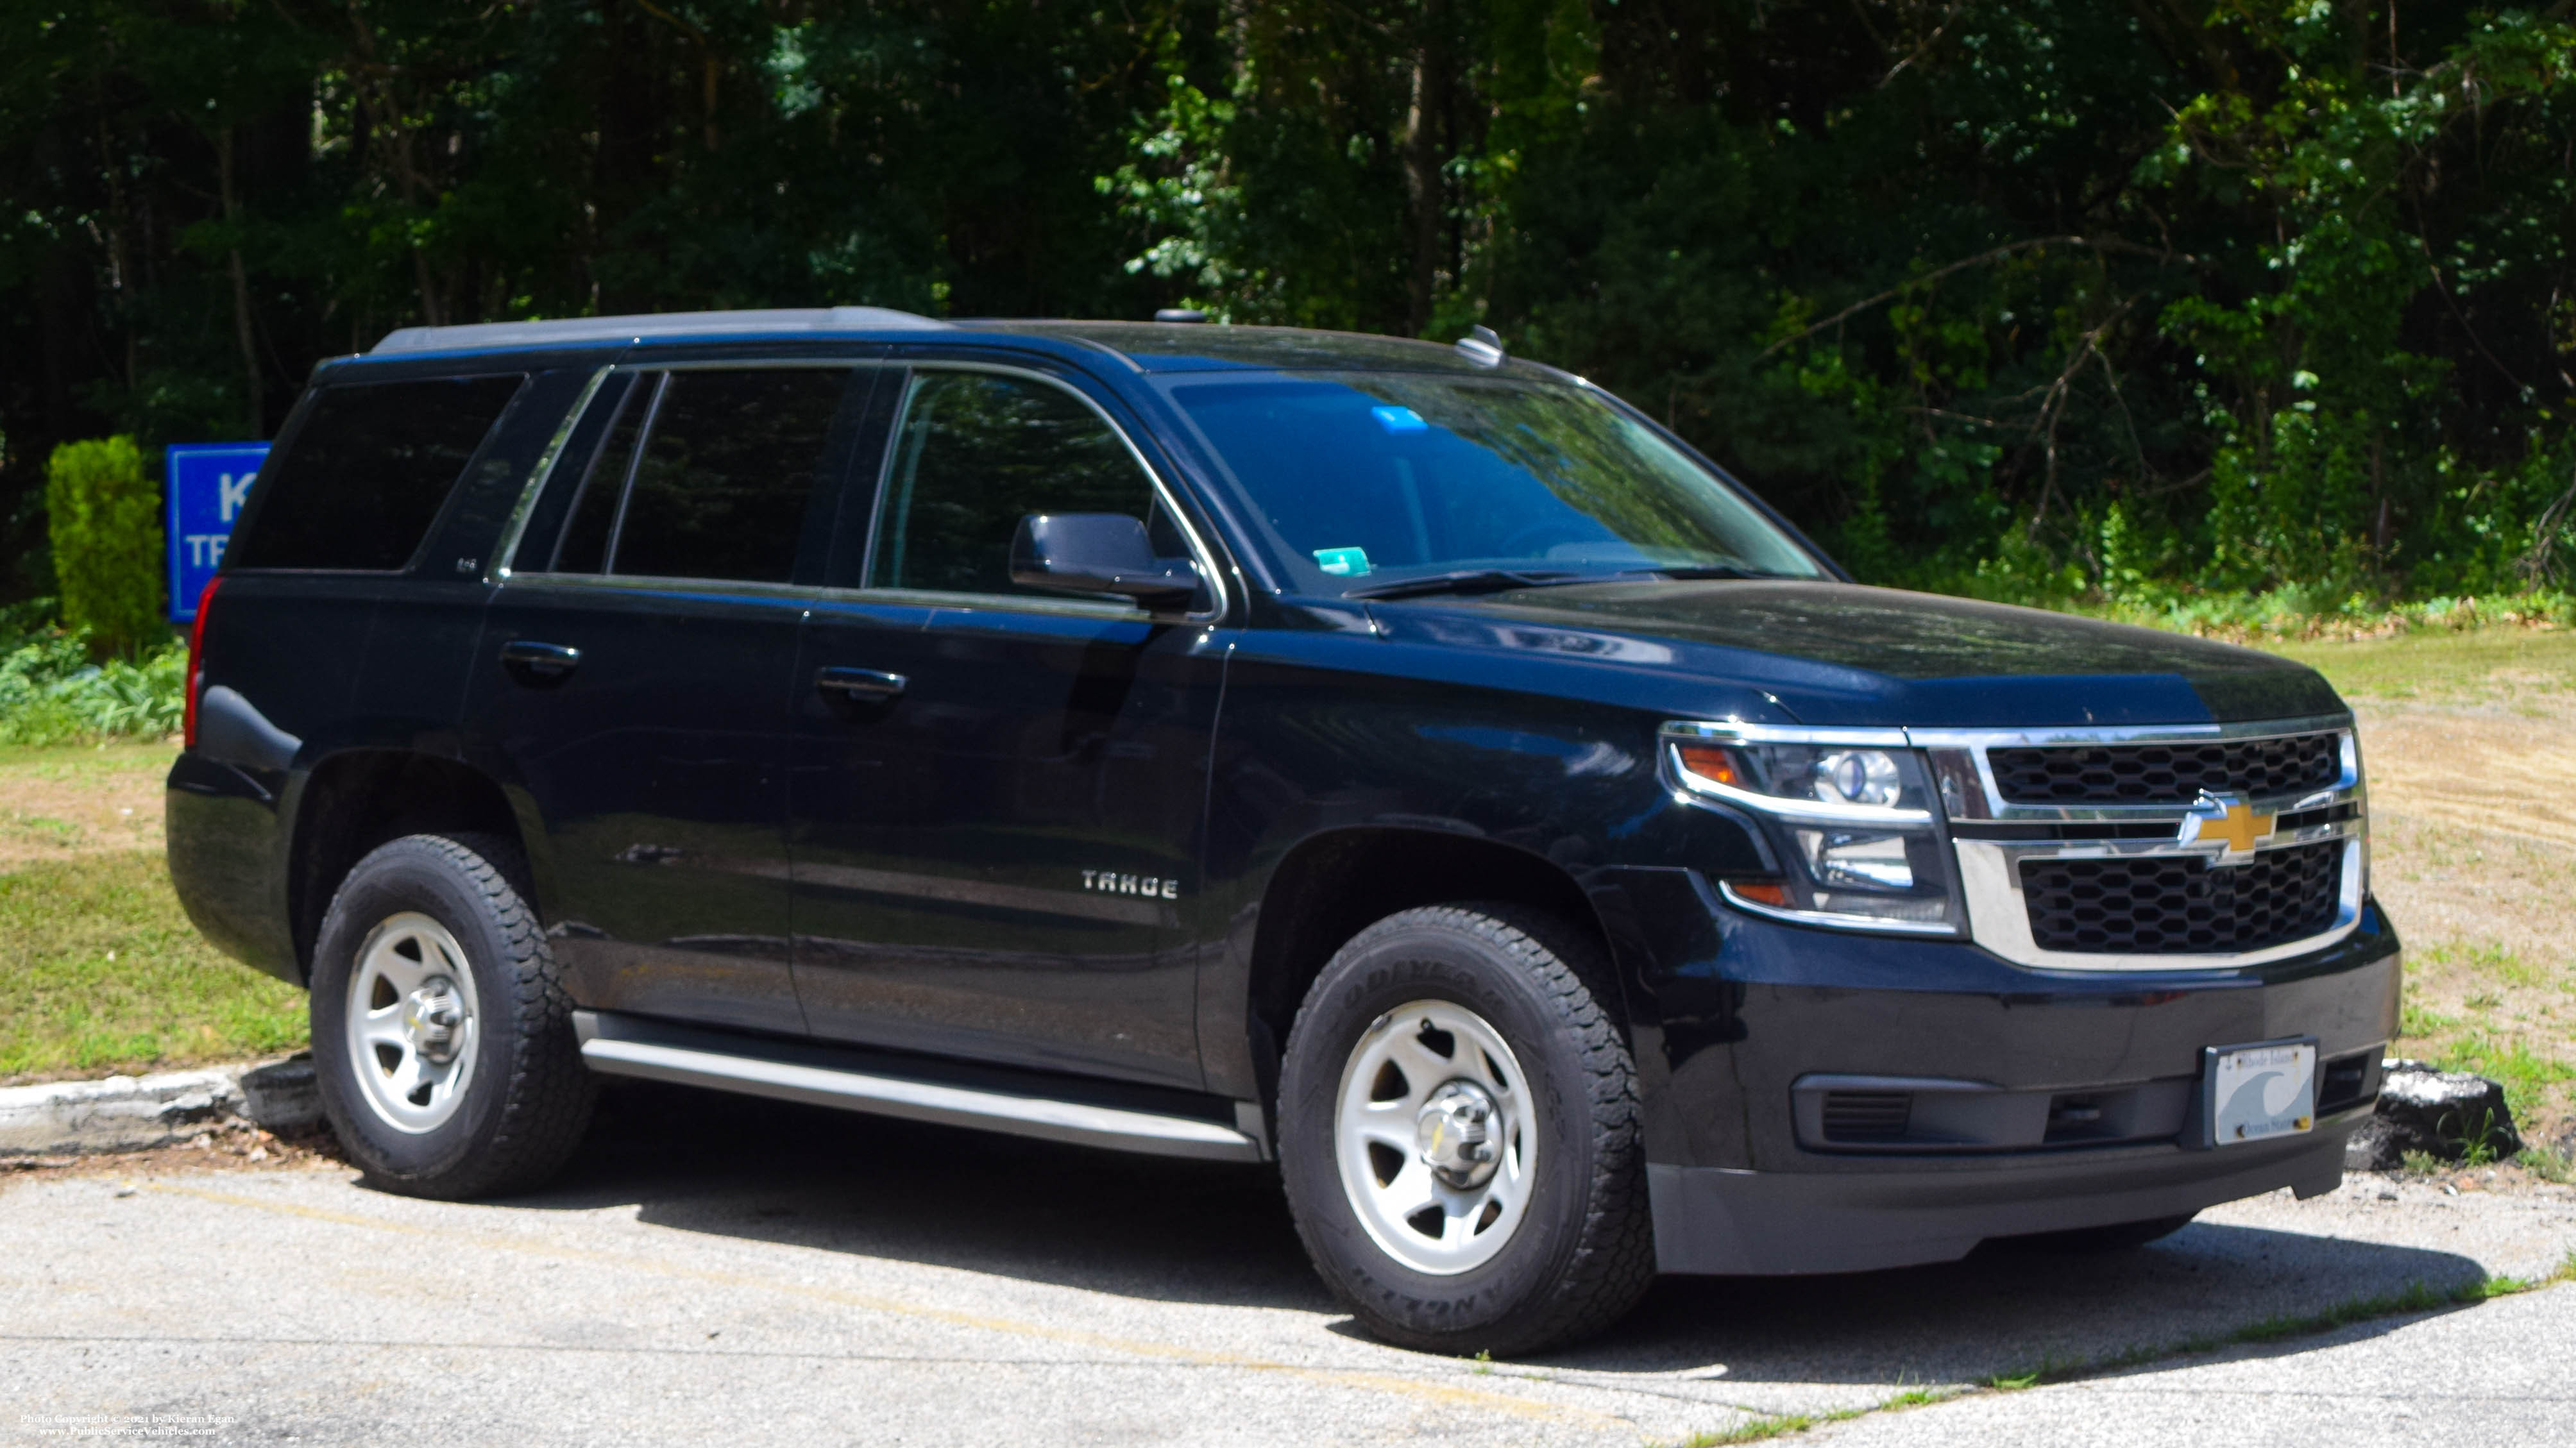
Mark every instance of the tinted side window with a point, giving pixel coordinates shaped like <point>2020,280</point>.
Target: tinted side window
<point>368,470</point>
<point>719,484</point>
<point>976,452</point>
<point>583,548</point>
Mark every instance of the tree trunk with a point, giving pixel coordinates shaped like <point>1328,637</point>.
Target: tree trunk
<point>1425,193</point>
<point>255,401</point>
<point>120,249</point>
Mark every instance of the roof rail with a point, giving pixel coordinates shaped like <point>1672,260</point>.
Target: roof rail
<point>568,330</point>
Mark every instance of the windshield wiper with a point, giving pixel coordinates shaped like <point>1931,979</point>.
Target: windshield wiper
<point>1495,580</point>
<point>1696,570</point>
<point>1465,580</point>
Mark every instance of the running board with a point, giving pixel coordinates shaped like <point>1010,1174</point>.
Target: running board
<point>614,1044</point>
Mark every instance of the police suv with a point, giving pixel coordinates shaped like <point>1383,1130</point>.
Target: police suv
<point>1402,763</point>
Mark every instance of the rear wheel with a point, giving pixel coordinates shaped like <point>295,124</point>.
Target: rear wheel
<point>442,1037</point>
<point>1458,1133</point>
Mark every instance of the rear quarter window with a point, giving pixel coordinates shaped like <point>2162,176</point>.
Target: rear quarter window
<point>367,471</point>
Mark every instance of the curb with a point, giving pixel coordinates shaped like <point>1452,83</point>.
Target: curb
<point>134,1113</point>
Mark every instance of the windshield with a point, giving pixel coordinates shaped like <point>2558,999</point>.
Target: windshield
<point>1363,480</point>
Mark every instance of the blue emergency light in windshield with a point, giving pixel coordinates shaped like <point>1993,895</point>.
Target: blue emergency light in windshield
<point>1427,474</point>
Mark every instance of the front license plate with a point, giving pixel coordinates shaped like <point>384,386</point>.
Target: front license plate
<point>2259,1092</point>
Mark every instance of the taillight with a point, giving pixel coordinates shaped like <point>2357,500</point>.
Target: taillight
<point>196,664</point>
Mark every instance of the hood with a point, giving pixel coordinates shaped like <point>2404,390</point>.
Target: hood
<point>1838,653</point>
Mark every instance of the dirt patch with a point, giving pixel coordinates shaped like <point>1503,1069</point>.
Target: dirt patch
<point>2473,851</point>
<point>2480,771</point>
<point>63,803</point>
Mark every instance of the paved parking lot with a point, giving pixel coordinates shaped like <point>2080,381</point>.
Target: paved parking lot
<point>715,1270</point>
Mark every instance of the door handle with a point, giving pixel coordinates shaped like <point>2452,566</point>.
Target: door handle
<point>859,686</point>
<point>548,662</point>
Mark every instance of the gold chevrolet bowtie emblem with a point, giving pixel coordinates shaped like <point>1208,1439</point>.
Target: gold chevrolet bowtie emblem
<point>2232,823</point>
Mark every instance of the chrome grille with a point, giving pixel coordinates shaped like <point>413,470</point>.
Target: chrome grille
<point>2174,773</point>
<point>2180,904</point>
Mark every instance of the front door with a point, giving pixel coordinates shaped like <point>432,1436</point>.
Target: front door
<point>636,681</point>
<point>998,791</point>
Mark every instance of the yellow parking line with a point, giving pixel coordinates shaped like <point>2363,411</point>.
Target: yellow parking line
<point>1441,1393</point>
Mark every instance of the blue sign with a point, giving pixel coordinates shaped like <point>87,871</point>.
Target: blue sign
<point>205,485</point>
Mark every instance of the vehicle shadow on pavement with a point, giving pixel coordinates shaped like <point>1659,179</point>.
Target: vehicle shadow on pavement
<point>1190,1232</point>
<point>1152,1228</point>
<point>2008,1310</point>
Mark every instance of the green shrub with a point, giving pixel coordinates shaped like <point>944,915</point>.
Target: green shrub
<point>51,693</point>
<point>104,516</point>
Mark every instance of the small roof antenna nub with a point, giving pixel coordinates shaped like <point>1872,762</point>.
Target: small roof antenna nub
<point>1179,314</point>
<point>1482,347</point>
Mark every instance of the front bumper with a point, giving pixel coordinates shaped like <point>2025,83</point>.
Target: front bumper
<point>1730,1013</point>
<point>1767,1223</point>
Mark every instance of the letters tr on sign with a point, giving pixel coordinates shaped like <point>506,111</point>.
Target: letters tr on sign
<point>204,487</point>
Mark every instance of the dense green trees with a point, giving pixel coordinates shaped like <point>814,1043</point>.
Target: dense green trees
<point>2038,298</point>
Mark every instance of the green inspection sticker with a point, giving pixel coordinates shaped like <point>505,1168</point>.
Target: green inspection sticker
<point>1342,562</point>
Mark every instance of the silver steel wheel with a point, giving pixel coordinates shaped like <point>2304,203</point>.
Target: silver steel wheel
<point>412,1024</point>
<point>1432,1132</point>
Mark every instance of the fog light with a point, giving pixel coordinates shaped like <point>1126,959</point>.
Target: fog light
<point>1842,860</point>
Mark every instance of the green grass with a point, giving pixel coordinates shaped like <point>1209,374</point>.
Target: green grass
<point>100,971</point>
<point>2480,666</point>
<point>1757,1430</point>
<point>2558,1167</point>
<point>2492,961</point>
<point>1781,1425</point>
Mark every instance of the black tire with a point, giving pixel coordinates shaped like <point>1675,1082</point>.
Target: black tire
<point>524,1099</point>
<point>2090,1241</point>
<point>1583,1250</point>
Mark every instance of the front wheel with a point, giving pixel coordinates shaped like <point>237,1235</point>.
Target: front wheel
<point>1458,1133</point>
<point>442,1036</point>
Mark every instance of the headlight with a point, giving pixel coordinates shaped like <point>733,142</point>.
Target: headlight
<point>1851,819</point>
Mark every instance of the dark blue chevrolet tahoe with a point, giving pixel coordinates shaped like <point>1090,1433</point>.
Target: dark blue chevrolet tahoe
<point>1403,763</point>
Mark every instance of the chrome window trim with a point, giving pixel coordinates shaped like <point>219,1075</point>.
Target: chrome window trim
<point>816,594</point>
<point>1200,552</point>
<point>516,525</point>
<point>1997,914</point>
<point>649,583</point>
<point>1072,604</point>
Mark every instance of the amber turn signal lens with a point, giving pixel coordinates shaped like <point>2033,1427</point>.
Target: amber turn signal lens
<point>1761,894</point>
<point>1712,763</point>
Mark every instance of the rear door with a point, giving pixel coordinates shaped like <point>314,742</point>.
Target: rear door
<point>998,791</point>
<point>326,568</point>
<point>334,533</point>
<point>634,681</point>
